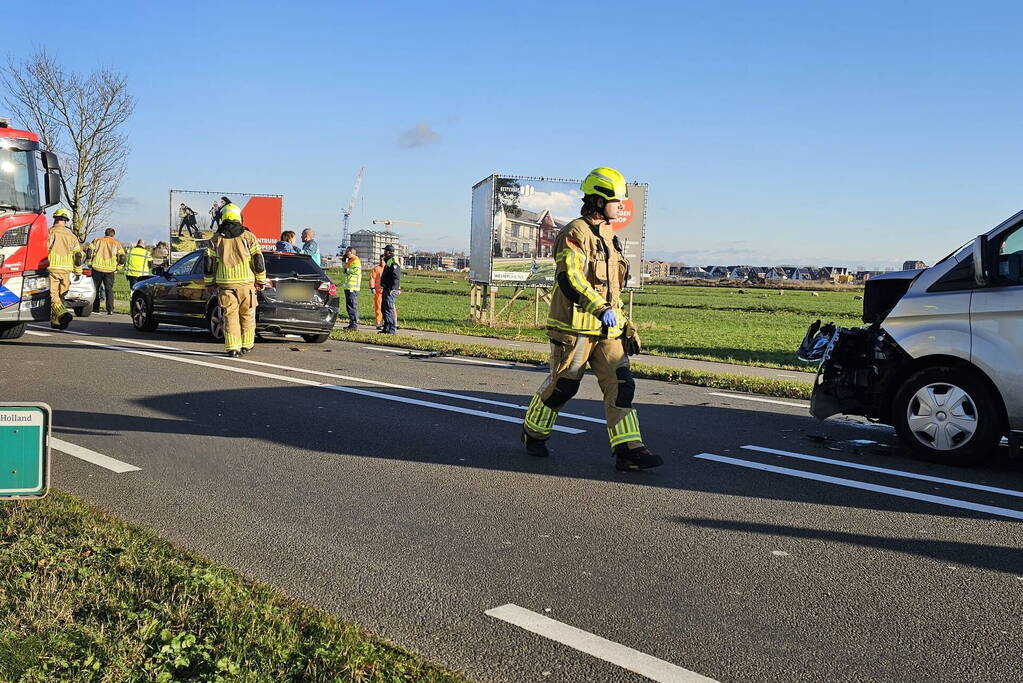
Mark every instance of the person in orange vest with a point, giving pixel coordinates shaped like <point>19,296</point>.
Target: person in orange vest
<point>378,293</point>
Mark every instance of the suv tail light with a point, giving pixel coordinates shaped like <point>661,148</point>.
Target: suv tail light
<point>328,287</point>
<point>87,272</point>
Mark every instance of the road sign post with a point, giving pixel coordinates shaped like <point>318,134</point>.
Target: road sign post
<point>24,450</point>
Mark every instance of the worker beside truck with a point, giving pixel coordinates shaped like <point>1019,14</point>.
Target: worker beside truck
<point>65,257</point>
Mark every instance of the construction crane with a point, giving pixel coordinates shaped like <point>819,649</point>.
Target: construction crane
<point>351,208</point>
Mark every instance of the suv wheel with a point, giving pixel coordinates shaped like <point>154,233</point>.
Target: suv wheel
<point>948,415</point>
<point>316,338</point>
<point>142,314</point>
<point>215,320</point>
<point>83,311</point>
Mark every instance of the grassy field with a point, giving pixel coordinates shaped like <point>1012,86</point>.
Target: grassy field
<point>745,326</point>
<point>87,597</point>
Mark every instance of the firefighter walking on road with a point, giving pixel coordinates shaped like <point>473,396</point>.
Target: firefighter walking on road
<point>587,326</point>
<point>106,257</point>
<point>138,263</point>
<point>235,266</point>
<point>65,254</point>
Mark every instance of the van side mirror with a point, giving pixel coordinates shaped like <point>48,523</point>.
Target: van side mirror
<point>981,262</point>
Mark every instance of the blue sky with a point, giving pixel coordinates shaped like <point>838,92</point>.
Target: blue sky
<point>770,132</point>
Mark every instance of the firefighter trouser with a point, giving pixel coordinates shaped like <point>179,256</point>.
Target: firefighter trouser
<point>239,304</point>
<point>60,283</point>
<point>570,355</point>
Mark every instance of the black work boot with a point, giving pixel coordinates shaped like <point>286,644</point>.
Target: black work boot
<point>233,353</point>
<point>65,320</point>
<point>627,459</point>
<point>246,349</point>
<point>535,447</point>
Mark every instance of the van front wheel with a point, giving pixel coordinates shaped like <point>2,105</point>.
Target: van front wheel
<point>948,415</point>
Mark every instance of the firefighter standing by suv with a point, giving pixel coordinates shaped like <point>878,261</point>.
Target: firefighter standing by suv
<point>65,254</point>
<point>235,265</point>
<point>106,256</point>
<point>587,326</point>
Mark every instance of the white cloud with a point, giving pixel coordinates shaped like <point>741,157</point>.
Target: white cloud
<point>562,203</point>
<point>421,135</point>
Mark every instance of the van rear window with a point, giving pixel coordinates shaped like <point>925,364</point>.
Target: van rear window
<point>283,266</point>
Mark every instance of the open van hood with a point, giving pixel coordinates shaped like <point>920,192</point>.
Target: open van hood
<point>882,292</point>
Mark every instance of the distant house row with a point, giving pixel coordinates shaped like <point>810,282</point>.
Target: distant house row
<point>664,270</point>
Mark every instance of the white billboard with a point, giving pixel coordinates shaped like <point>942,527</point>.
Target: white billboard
<point>516,219</point>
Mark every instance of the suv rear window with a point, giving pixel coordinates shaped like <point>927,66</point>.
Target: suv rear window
<point>291,266</point>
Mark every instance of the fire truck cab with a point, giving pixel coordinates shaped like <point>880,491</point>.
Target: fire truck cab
<point>29,184</point>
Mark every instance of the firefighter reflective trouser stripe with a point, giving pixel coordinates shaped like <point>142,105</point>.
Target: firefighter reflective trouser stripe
<point>239,304</point>
<point>60,283</point>
<point>570,354</point>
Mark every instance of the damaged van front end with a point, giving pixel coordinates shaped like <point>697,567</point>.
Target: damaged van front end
<point>858,364</point>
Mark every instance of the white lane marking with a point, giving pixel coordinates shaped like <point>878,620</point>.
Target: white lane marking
<point>885,470</point>
<point>432,392</point>
<point>377,348</point>
<point>601,648</point>
<point>876,488</point>
<point>760,400</point>
<point>92,456</point>
<point>81,334</point>
<point>38,334</point>
<point>324,385</point>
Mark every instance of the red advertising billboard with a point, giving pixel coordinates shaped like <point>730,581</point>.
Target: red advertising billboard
<point>194,217</point>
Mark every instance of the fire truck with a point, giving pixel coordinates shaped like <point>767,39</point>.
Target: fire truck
<point>29,184</point>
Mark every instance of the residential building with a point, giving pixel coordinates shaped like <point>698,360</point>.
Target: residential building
<point>369,244</point>
<point>914,265</point>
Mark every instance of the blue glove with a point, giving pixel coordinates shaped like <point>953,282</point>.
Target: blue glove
<point>608,318</point>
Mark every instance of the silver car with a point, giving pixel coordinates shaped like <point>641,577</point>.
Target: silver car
<point>941,357</point>
<point>81,295</point>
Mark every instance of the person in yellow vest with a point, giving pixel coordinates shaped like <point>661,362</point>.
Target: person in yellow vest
<point>65,254</point>
<point>378,292</point>
<point>352,272</point>
<point>587,326</point>
<point>234,265</point>
<point>106,257</point>
<point>138,263</point>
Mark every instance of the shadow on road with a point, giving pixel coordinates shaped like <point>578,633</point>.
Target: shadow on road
<point>994,557</point>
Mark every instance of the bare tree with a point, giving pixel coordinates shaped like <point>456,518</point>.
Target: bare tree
<point>80,118</point>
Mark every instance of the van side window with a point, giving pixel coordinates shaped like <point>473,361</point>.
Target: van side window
<point>1010,258</point>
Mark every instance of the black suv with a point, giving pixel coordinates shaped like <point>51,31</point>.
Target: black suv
<point>299,298</point>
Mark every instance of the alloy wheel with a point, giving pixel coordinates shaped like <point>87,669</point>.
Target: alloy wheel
<point>138,312</point>
<point>217,322</point>
<point>942,416</point>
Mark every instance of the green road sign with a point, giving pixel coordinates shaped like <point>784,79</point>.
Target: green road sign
<point>24,450</point>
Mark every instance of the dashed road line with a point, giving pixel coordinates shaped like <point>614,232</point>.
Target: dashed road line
<point>885,470</point>
<point>38,334</point>
<point>865,486</point>
<point>389,385</point>
<point>324,385</point>
<point>95,458</point>
<point>80,334</point>
<point>760,400</point>
<point>607,650</point>
<point>378,348</point>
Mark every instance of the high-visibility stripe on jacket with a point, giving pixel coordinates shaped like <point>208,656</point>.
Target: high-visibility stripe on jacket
<point>353,275</point>
<point>62,247</point>
<point>105,253</point>
<point>138,262</point>
<point>239,251</point>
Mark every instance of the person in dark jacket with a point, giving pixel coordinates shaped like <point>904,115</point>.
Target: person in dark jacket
<point>390,283</point>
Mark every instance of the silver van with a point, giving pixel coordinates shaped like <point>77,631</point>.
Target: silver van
<point>941,356</point>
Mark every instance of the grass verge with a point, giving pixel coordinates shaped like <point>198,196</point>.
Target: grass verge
<point>85,596</point>
<point>730,382</point>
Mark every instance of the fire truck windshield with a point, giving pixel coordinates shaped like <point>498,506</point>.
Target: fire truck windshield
<point>19,180</point>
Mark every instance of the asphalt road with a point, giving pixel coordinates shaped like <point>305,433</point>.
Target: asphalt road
<point>412,513</point>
